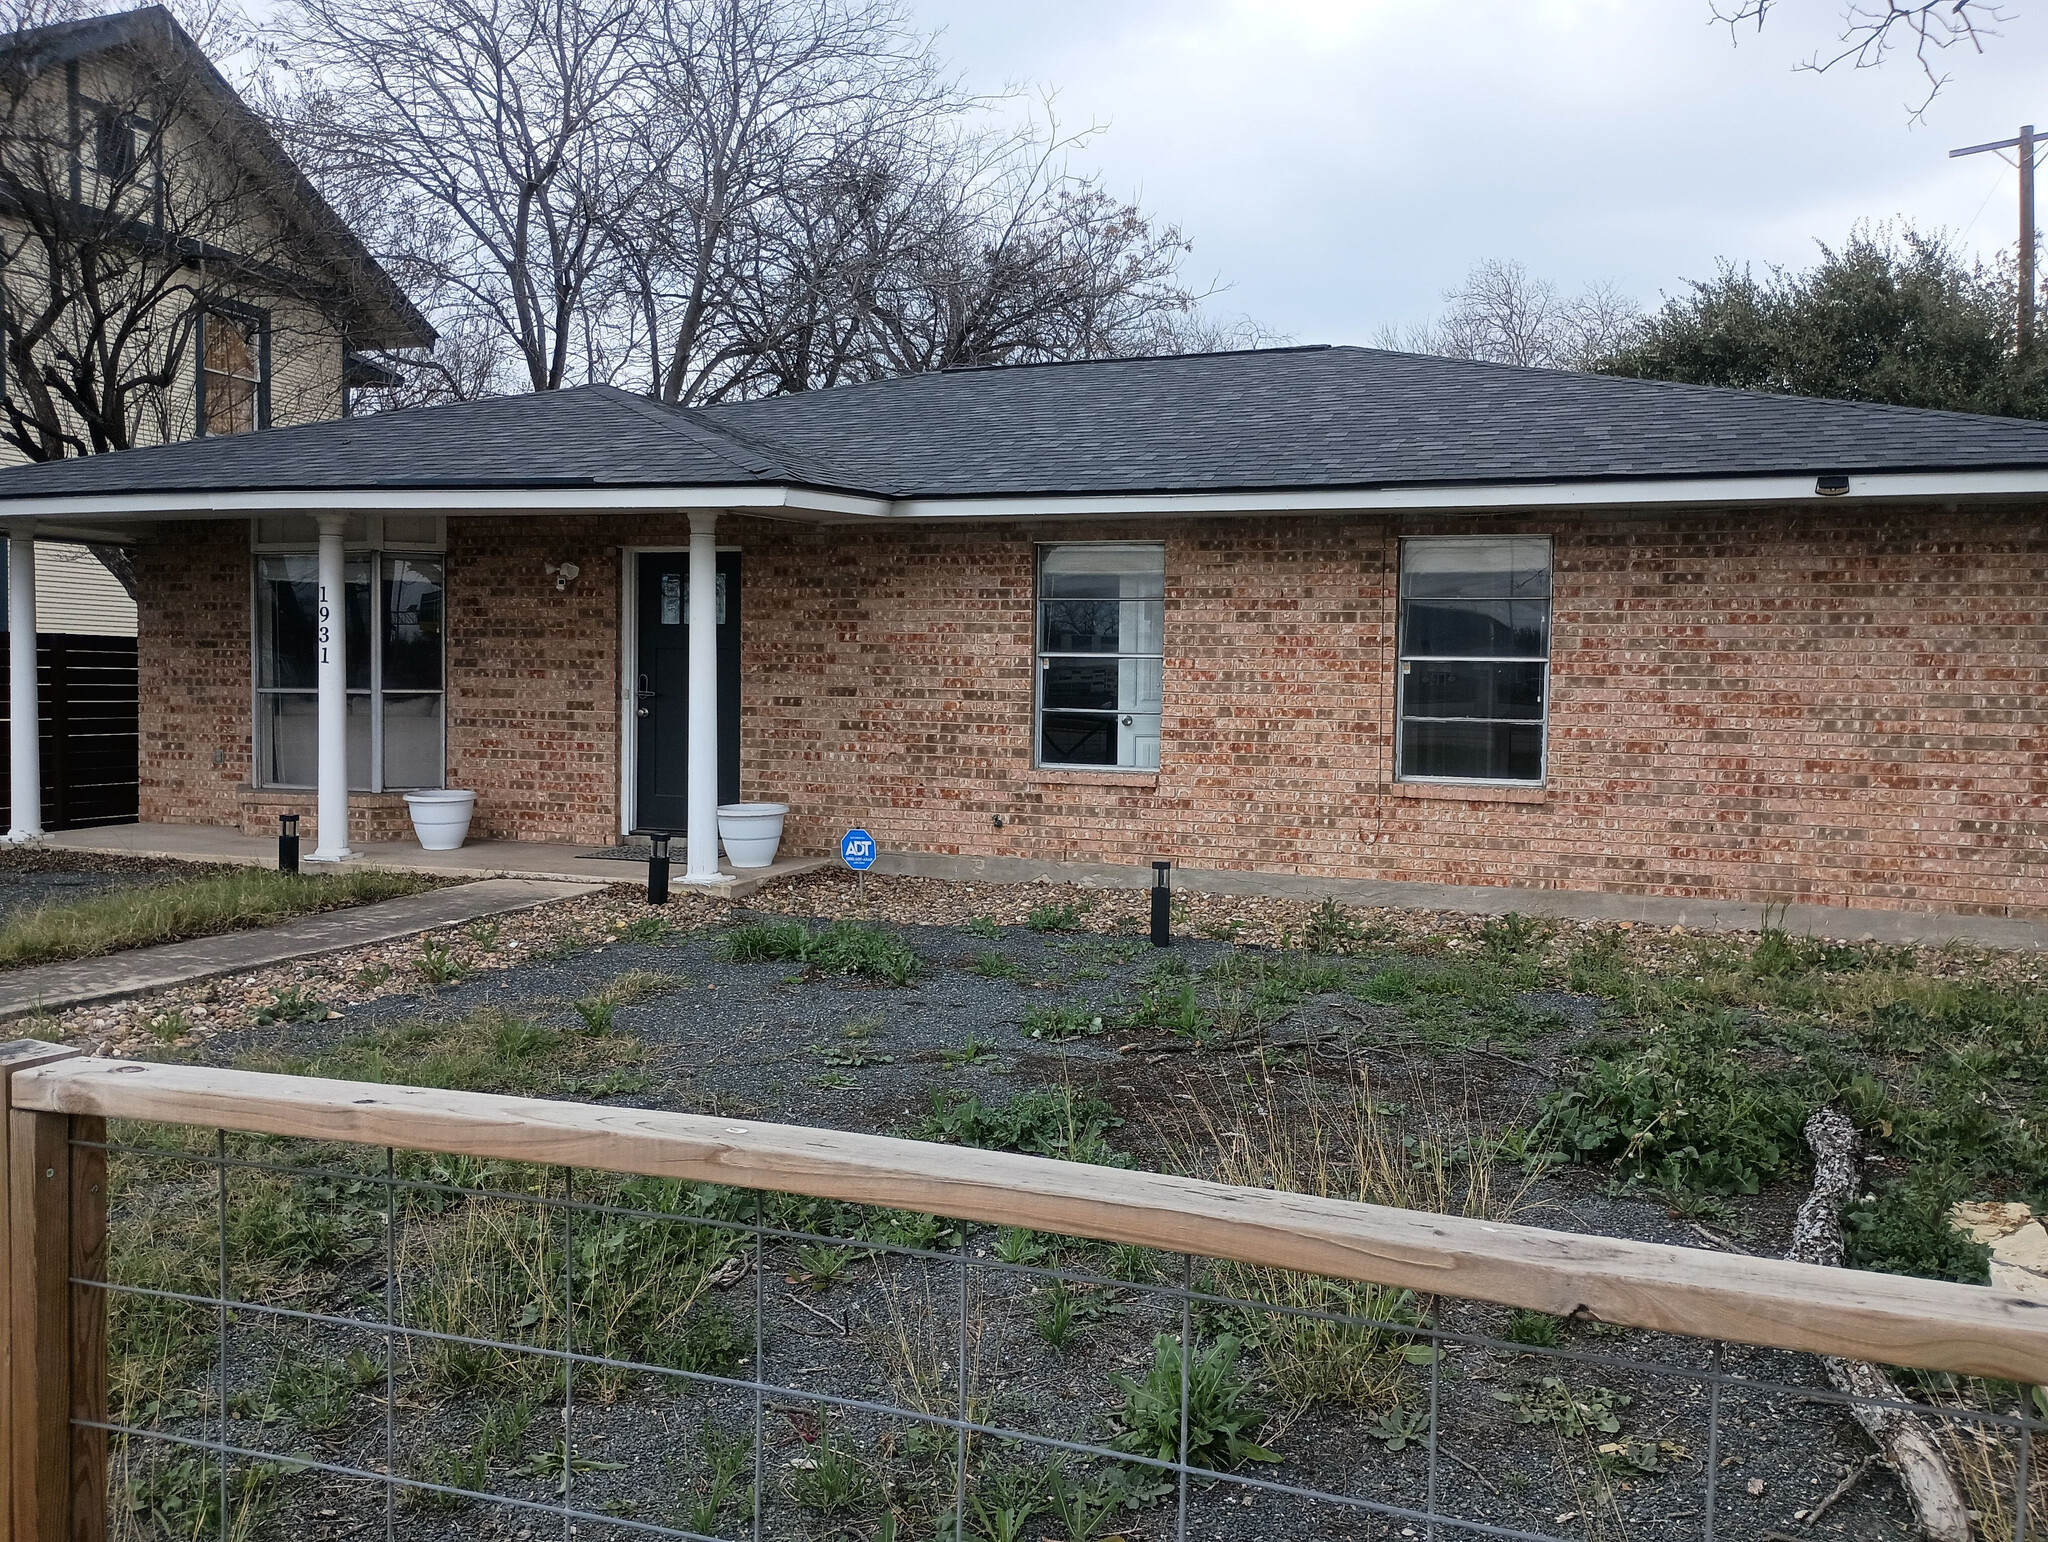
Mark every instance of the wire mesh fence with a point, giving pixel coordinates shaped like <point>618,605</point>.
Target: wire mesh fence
<point>311,1340</point>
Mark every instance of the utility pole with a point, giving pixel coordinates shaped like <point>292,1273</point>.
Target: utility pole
<point>2024,145</point>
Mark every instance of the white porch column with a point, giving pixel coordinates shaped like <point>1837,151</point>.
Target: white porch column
<point>333,662</point>
<point>703,767</point>
<point>24,750</point>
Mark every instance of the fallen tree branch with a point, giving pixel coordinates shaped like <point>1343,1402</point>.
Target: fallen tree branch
<point>1902,1437</point>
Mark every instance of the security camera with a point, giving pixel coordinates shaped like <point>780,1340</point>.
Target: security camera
<point>564,573</point>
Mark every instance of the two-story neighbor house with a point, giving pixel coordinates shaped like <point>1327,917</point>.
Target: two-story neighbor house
<point>166,273</point>
<point>1323,612</point>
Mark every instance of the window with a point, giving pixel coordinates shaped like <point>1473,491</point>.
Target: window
<point>117,151</point>
<point>1475,658</point>
<point>234,369</point>
<point>1101,621</point>
<point>395,643</point>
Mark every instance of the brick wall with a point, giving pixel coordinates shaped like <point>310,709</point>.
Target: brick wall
<point>192,648</point>
<point>1835,706</point>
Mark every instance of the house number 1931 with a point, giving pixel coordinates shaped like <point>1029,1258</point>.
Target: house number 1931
<point>324,614</point>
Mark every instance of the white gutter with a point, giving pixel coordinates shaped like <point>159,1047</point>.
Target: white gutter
<point>812,504</point>
<point>766,499</point>
<point>1533,495</point>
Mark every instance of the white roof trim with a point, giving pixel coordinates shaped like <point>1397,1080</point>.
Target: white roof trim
<point>1533,495</point>
<point>811,504</point>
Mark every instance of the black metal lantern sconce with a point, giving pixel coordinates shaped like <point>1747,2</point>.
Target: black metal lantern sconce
<point>287,843</point>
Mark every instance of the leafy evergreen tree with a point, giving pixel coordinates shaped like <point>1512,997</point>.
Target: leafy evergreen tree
<point>1899,318</point>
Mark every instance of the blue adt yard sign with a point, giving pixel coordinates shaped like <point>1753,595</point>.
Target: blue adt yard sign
<point>857,850</point>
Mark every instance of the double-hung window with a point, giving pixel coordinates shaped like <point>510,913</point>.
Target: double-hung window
<point>1101,620</point>
<point>393,621</point>
<point>1474,658</point>
<point>234,371</point>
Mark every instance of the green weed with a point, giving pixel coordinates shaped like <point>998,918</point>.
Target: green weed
<point>437,963</point>
<point>845,947</point>
<point>1222,1414</point>
<point>1054,918</point>
<point>291,1004</point>
<point>1061,1021</point>
<point>985,926</point>
<point>1057,1123</point>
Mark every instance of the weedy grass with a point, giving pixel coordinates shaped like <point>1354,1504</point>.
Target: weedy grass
<point>1061,1021</point>
<point>487,1050</point>
<point>1332,1139</point>
<point>846,947</point>
<point>1059,1122</point>
<point>196,907</point>
<point>629,989</point>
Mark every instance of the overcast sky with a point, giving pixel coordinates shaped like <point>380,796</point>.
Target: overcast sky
<point>1339,163</point>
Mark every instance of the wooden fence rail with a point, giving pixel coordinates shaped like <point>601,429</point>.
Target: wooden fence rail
<point>55,1225</point>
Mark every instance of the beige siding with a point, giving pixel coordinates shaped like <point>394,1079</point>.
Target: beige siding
<point>75,593</point>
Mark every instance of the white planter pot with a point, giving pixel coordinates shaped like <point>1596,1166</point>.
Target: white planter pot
<point>751,832</point>
<point>440,819</point>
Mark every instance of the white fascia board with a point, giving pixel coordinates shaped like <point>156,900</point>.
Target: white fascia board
<point>797,502</point>
<point>813,504</point>
<point>1922,485</point>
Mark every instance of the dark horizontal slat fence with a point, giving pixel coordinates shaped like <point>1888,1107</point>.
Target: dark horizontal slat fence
<point>89,730</point>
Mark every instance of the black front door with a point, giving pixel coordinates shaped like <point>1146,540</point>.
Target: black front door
<point>663,686</point>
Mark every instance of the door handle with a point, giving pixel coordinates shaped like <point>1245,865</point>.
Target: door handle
<point>1127,720</point>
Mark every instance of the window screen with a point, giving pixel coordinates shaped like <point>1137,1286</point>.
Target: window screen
<point>1475,658</point>
<point>1101,619</point>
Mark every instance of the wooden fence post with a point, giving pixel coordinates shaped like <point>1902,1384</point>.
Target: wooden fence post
<point>55,1362</point>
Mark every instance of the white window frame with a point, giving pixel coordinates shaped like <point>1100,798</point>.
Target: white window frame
<point>365,538</point>
<point>1402,659</point>
<point>1039,655</point>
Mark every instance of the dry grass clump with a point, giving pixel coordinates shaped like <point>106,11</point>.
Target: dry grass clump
<point>1337,1142</point>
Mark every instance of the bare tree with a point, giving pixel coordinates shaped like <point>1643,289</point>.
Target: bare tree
<point>711,198</point>
<point>485,143</point>
<point>135,195</point>
<point>1503,314</point>
<point>1873,30</point>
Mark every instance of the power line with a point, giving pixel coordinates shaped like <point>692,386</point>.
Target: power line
<point>2023,146</point>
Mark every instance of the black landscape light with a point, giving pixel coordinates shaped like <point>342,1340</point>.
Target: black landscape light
<point>657,868</point>
<point>287,843</point>
<point>1162,905</point>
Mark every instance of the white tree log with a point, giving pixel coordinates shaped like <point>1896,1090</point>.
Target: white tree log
<point>1904,1438</point>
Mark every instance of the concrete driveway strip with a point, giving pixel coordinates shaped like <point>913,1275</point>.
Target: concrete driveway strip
<point>52,987</point>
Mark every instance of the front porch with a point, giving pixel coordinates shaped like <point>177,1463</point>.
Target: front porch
<point>596,865</point>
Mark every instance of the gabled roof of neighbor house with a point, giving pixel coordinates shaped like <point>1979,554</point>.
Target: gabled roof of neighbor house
<point>1266,421</point>
<point>384,317</point>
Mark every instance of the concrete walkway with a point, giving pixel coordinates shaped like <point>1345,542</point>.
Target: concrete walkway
<point>551,860</point>
<point>52,987</point>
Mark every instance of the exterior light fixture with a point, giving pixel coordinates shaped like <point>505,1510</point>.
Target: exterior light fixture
<point>657,868</point>
<point>565,573</point>
<point>1162,905</point>
<point>287,843</point>
<point>1831,484</point>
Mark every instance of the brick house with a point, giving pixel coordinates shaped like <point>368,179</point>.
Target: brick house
<point>1331,612</point>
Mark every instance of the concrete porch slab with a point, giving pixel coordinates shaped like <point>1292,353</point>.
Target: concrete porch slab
<point>547,860</point>
<point>111,976</point>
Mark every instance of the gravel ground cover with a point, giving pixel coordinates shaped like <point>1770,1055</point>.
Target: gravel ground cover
<point>1038,1020</point>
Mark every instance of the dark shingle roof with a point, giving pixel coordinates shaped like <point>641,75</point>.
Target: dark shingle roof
<point>1272,419</point>
<point>1340,417</point>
